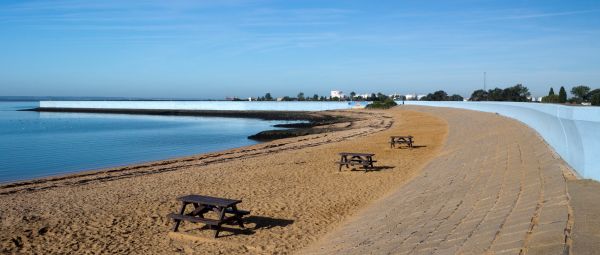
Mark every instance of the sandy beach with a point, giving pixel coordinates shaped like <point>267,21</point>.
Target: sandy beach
<point>475,183</point>
<point>292,187</point>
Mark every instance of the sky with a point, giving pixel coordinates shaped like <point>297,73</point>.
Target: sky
<point>215,49</point>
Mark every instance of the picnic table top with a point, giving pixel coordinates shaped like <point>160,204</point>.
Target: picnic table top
<point>401,136</point>
<point>206,200</point>
<point>356,154</point>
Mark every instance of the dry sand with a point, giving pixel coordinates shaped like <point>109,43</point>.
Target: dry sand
<point>482,184</point>
<point>292,187</point>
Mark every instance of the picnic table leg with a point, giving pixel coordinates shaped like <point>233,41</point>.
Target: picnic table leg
<point>221,211</point>
<point>344,159</point>
<point>177,222</point>
<point>238,217</point>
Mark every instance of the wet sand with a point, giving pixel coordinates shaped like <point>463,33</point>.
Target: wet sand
<point>292,187</point>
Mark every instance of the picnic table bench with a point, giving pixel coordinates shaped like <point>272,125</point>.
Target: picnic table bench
<point>351,159</point>
<point>226,209</point>
<point>408,140</point>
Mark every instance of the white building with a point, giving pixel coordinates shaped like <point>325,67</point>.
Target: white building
<point>337,93</point>
<point>411,96</point>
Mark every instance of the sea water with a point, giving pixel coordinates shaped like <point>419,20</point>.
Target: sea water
<point>40,144</point>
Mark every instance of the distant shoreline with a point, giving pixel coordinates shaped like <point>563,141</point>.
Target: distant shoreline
<point>318,121</point>
<point>255,114</point>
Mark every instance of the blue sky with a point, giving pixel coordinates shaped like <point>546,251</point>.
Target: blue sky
<point>213,49</point>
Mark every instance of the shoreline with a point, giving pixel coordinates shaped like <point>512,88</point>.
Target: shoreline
<point>322,123</point>
<point>317,121</point>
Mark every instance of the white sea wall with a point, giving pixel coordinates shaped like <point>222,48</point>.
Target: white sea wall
<point>205,105</point>
<point>572,131</point>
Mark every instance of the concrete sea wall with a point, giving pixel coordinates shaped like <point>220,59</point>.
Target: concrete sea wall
<point>573,132</point>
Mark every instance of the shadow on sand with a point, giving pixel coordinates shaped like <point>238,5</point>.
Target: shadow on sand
<point>252,223</point>
<point>409,148</point>
<point>371,169</point>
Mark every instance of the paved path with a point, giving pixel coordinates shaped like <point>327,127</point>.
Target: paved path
<point>496,188</point>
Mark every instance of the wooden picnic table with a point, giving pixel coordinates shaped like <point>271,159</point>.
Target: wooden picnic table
<point>351,158</point>
<point>397,139</point>
<point>226,209</point>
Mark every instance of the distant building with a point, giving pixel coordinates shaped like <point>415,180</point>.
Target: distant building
<point>411,97</point>
<point>279,99</point>
<point>337,93</point>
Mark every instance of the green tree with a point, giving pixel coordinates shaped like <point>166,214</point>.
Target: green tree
<point>551,93</point>
<point>551,99</point>
<point>300,96</point>
<point>455,97</point>
<point>385,104</point>
<point>517,93</point>
<point>562,95</point>
<point>580,93</point>
<point>315,97</point>
<point>496,95</point>
<point>352,95</point>
<point>479,95</point>
<point>373,97</point>
<point>268,97</point>
<point>596,99</point>
<point>593,92</point>
<point>439,95</point>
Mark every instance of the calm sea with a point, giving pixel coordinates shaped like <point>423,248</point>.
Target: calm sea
<point>36,144</point>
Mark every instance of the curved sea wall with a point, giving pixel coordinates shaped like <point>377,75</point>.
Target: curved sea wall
<point>573,132</point>
<point>204,105</point>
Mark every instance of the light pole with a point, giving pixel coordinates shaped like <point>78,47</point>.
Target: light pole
<point>484,81</point>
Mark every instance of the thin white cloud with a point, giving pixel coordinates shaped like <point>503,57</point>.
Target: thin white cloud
<point>542,15</point>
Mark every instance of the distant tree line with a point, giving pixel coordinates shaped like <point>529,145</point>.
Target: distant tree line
<point>441,95</point>
<point>581,94</point>
<point>517,93</point>
<point>301,97</point>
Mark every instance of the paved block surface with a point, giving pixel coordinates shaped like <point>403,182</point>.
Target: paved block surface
<point>496,188</point>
